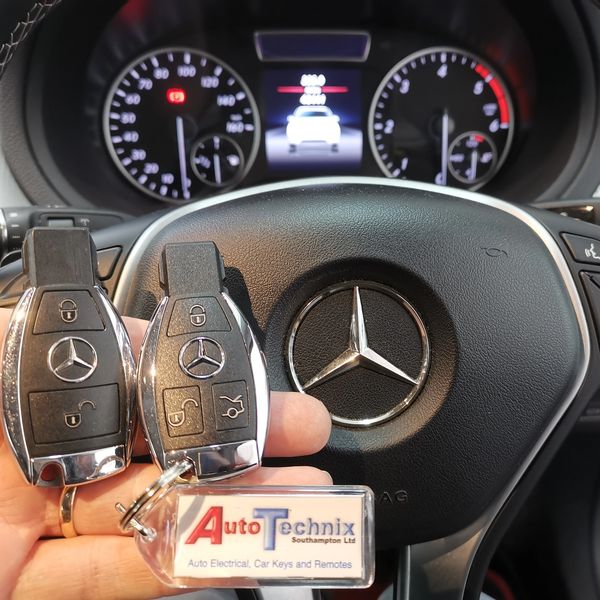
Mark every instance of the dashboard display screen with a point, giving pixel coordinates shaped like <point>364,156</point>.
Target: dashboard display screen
<point>312,119</point>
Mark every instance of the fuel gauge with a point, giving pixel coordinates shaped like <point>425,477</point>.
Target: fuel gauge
<point>472,157</point>
<point>217,160</point>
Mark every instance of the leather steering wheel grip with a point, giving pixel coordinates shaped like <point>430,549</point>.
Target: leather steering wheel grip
<point>18,18</point>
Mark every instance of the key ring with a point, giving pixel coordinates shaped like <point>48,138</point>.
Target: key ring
<point>149,498</point>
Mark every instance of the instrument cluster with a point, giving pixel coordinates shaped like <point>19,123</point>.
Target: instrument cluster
<point>154,104</point>
<point>180,123</point>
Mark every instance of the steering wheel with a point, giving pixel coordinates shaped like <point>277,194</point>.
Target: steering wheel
<point>450,334</point>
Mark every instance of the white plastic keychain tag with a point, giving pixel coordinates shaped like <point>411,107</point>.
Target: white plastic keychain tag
<point>198,535</point>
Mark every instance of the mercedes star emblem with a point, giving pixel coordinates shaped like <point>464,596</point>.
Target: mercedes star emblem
<point>360,353</point>
<point>72,359</point>
<point>201,358</point>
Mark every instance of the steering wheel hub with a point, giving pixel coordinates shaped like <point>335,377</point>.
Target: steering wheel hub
<point>354,339</point>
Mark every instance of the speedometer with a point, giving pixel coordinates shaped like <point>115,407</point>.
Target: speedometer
<point>441,115</point>
<point>179,123</point>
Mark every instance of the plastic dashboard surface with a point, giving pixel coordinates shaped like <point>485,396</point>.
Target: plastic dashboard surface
<point>299,91</point>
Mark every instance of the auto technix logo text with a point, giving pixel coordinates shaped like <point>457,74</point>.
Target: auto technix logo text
<point>273,522</point>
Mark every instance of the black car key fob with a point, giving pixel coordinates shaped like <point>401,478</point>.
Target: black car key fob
<point>68,370</point>
<point>202,380</point>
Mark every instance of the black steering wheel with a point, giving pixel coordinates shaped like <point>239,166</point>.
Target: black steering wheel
<point>450,334</point>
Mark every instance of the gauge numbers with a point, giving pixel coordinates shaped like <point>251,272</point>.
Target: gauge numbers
<point>441,115</point>
<point>162,110</point>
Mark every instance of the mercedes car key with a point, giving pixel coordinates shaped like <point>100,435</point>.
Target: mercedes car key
<point>202,380</point>
<point>68,370</point>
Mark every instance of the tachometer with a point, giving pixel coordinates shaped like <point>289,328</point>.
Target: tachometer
<point>441,115</point>
<point>163,115</point>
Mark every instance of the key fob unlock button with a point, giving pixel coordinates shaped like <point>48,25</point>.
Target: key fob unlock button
<point>183,411</point>
<point>69,415</point>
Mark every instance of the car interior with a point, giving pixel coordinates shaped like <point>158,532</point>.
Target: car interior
<point>426,169</point>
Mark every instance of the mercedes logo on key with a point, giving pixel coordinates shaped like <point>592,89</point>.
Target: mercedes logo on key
<point>202,358</point>
<point>72,359</point>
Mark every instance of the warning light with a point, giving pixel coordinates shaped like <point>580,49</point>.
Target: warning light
<point>176,96</point>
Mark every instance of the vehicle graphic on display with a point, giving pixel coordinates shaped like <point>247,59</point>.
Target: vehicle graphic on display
<point>313,124</point>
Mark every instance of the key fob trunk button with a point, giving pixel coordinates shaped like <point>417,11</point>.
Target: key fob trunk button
<point>231,405</point>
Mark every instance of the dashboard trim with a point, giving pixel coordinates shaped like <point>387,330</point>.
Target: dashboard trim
<point>330,32</point>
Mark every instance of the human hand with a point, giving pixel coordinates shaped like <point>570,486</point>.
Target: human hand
<point>101,562</point>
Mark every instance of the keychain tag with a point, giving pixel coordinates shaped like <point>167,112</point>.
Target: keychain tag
<point>202,535</point>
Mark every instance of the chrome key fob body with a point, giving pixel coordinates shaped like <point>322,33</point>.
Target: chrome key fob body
<point>202,381</point>
<point>68,370</point>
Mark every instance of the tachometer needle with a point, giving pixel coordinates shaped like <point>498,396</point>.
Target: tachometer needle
<point>474,160</point>
<point>182,159</point>
<point>444,171</point>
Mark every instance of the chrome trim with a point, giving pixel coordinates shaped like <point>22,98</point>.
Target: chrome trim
<point>353,356</point>
<point>11,375</point>
<point>146,381</point>
<point>258,366</point>
<point>447,544</point>
<point>80,467</point>
<point>3,233</point>
<point>209,460</point>
<point>54,370</point>
<point>76,468</point>
<point>242,456</point>
<point>129,369</point>
<point>186,368</point>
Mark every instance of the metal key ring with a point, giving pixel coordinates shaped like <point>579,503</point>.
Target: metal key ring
<point>153,494</point>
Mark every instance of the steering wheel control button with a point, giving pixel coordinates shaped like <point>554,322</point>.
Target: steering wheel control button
<point>67,311</point>
<point>183,411</point>
<point>69,374</point>
<point>202,378</point>
<point>231,405</point>
<point>107,261</point>
<point>193,315</point>
<point>591,283</point>
<point>202,358</point>
<point>72,359</point>
<point>355,338</point>
<point>583,249</point>
<point>84,413</point>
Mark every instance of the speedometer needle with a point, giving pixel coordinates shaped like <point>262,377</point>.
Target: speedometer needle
<point>217,160</point>
<point>444,172</point>
<point>182,160</point>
